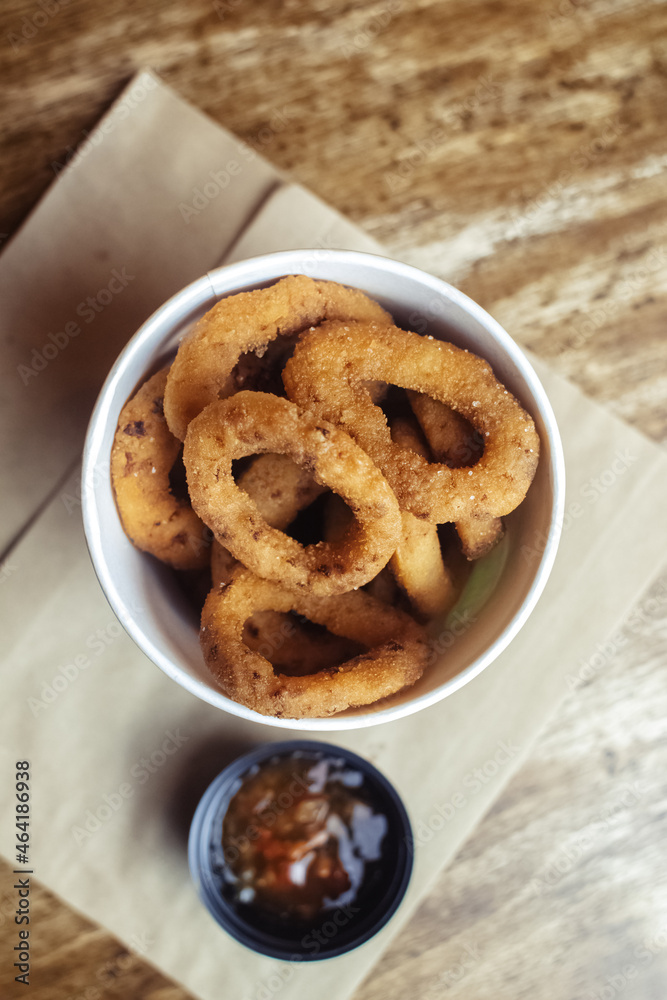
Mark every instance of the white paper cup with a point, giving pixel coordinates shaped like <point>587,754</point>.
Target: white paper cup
<point>144,593</point>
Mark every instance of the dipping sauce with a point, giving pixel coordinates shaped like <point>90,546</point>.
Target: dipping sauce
<point>301,850</point>
<point>303,835</point>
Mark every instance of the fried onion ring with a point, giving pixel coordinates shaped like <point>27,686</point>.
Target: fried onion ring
<point>417,563</point>
<point>455,443</point>
<point>479,534</point>
<point>280,489</point>
<point>143,454</point>
<point>325,373</point>
<point>398,655</point>
<point>254,422</point>
<point>249,321</point>
<point>337,519</point>
<point>262,371</point>
<point>451,438</point>
<point>280,637</point>
<point>223,564</point>
<point>295,647</point>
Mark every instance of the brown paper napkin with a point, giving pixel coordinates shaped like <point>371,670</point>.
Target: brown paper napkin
<point>119,753</point>
<point>155,198</point>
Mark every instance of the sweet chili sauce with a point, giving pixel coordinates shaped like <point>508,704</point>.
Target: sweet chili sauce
<point>301,836</point>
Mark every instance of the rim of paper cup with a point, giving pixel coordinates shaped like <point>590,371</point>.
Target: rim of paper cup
<point>257,271</point>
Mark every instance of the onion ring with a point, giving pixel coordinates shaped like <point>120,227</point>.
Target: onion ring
<point>479,534</point>
<point>451,438</point>
<point>295,647</point>
<point>262,371</point>
<point>280,489</point>
<point>337,519</point>
<point>279,637</point>
<point>453,441</point>
<point>399,653</point>
<point>417,563</point>
<point>223,564</point>
<point>325,373</point>
<point>249,321</point>
<point>254,422</point>
<point>143,454</point>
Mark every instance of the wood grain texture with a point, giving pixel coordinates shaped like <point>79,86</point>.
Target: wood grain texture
<point>562,891</point>
<point>518,150</point>
<point>72,958</point>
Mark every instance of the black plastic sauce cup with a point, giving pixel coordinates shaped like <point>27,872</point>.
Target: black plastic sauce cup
<point>336,930</point>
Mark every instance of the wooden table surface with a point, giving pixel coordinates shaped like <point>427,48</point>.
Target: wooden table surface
<point>518,150</point>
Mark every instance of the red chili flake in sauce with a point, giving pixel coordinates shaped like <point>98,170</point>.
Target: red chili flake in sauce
<point>298,837</point>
